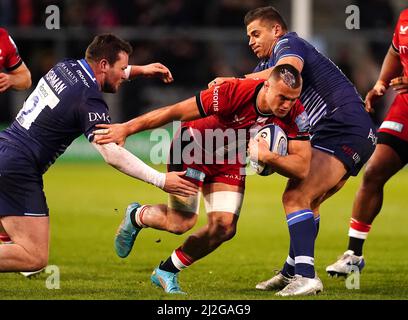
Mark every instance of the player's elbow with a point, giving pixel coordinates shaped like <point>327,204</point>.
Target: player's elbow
<point>28,82</point>
<point>111,160</point>
<point>111,153</point>
<point>301,175</point>
<point>25,82</point>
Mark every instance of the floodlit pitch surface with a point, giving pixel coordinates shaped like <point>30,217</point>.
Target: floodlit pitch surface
<point>87,203</point>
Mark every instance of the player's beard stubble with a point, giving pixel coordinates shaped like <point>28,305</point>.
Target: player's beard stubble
<point>109,87</point>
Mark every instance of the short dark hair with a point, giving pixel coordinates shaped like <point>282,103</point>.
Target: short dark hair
<point>107,46</point>
<point>288,74</point>
<point>269,14</point>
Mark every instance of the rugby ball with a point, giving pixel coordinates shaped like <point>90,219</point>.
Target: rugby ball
<point>277,141</point>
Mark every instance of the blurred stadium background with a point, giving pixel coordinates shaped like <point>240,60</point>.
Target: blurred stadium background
<point>197,40</point>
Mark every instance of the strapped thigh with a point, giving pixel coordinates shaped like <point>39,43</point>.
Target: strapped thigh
<point>224,201</point>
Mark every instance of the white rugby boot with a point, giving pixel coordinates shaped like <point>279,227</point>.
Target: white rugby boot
<point>32,274</point>
<point>277,282</point>
<point>302,286</point>
<point>346,264</point>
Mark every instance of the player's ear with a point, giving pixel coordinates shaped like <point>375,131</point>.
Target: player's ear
<point>104,65</point>
<point>267,84</point>
<point>277,30</point>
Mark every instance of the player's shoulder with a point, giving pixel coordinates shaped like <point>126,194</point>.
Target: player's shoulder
<point>76,76</point>
<point>240,87</point>
<point>290,37</point>
<point>289,41</point>
<point>298,117</point>
<point>3,32</point>
<point>244,82</point>
<point>404,15</point>
<point>4,36</point>
<point>297,109</point>
<point>299,105</point>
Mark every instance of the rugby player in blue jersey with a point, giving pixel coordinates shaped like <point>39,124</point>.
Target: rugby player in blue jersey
<point>66,103</point>
<point>342,135</point>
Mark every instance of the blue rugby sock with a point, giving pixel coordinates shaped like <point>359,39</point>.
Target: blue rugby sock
<point>288,269</point>
<point>302,229</point>
<point>317,224</point>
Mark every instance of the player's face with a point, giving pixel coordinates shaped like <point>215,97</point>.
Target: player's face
<point>280,98</point>
<point>262,38</point>
<point>115,74</point>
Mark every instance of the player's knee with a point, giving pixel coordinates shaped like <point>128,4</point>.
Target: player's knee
<point>223,231</point>
<point>181,228</point>
<point>294,198</point>
<point>37,262</point>
<point>374,176</point>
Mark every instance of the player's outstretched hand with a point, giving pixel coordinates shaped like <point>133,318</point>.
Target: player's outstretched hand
<point>219,80</point>
<point>107,133</point>
<point>400,84</point>
<point>5,82</point>
<point>175,184</point>
<point>157,70</point>
<point>372,95</point>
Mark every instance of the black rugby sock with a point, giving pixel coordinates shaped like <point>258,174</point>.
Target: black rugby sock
<point>168,266</point>
<point>356,245</point>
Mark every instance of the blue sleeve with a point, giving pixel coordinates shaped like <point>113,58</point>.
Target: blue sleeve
<point>289,47</point>
<point>94,111</point>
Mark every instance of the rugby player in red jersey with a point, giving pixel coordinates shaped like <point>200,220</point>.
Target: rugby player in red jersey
<point>14,73</point>
<point>234,107</point>
<point>391,152</point>
<point>342,138</point>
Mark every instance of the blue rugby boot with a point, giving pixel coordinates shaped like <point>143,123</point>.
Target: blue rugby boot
<point>127,232</point>
<point>166,280</point>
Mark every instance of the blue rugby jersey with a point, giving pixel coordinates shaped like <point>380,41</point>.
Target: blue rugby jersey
<point>325,87</point>
<point>66,103</point>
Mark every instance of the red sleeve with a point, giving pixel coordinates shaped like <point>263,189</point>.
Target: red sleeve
<point>12,58</point>
<point>395,37</point>
<point>400,28</point>
<point>215,100</point>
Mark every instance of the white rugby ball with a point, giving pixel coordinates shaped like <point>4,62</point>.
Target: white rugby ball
<point>277,141</point>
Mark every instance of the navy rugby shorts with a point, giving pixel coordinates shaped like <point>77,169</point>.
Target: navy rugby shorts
<point>349,134</point>
<point>21,185</point>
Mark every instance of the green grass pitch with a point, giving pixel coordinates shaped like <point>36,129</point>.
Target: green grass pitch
<point>86,205</point>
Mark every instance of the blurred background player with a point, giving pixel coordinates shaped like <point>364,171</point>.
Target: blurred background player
<point>391,152</point>
<point>239,104</point>
<point>343,138</point>
<point>14,74</point>
<point>66,103</point>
